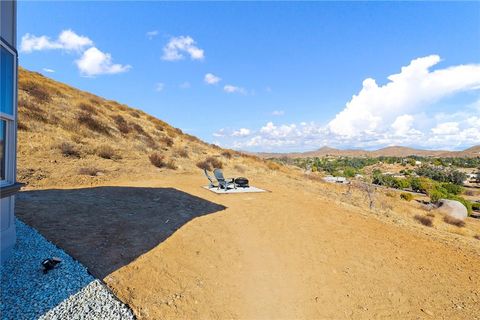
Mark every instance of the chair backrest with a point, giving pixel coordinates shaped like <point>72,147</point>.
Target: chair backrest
<point>208,177</point>
<point>218,174</point>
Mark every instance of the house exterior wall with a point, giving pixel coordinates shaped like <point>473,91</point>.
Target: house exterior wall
<point>8,126</point>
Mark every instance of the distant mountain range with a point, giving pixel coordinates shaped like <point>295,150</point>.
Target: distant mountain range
<point>395,151</point>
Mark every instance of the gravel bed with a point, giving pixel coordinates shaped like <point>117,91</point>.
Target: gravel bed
<point>67,292</point>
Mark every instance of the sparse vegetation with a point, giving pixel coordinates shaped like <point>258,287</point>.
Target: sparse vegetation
<point>167,141</point>
<point>36,91</point>
<point>454,221</point>
<point>87,108</point>
<point>227,154</point>
<point>406,196</point>
<point>91,123</point>
<point>107,152</point>
<point>181,153</point>
<point>273,165</point>
<point>69,150</point>
<point>122,125</point>
<point>89,171</point>
<point>426,221</point>
<point>159,161</point>
<point>210,163</point>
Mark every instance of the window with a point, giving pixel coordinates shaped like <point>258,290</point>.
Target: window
<point>6,81</point>
<point>3,130</point>
<point>7,114</point>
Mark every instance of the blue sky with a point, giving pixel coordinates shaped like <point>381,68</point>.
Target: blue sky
<point>282,74</point>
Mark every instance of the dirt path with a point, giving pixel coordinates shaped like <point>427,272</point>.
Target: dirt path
<point>291,254</point>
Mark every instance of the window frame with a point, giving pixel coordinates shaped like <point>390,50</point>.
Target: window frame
<point>11,124</point>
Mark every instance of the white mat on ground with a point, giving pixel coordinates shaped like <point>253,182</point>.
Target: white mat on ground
<point>238,190</point>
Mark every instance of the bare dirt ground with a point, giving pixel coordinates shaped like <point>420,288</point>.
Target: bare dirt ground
<point>173,250</point>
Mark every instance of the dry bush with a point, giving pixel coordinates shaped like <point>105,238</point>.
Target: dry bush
<point>21,126</point>
<point>426,221</point>
<point>181,153</point>
<point>390,194</point>
<point>469,192</point>
<point>135,114</point>
<point>227,154</point>
<point>454,221</point>
<point>166,141</point>
<point>107,152</point>
<point>159,127</point>
<point>210,163</point>
<point>68,150</point>
<point>171,165</point>
<point>122,125</point>
<point>36,91</point>
<point>157,160</point>
<point>89,171</point>
<point>87,108</point>
<point>272,165</point>
<point>477,236</point>
<point>239,168</point>
<point>93,124</point>
<point>140,130</point>
<point>31,110</point>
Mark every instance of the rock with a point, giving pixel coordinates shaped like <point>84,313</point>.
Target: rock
<point>452,208</point>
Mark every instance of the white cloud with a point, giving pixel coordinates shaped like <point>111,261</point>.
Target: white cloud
<point>242,132</point>
<point>48,70</point>
<point>95,62</point>
<point>177,46</point>
<point>278,113</point>
<point>446,128</point>
<point>375,107</point>
<point>151,34</point>
<point>234,89</point>
<point>220,133</point>
<point>68,40</point>
<point>210,78</point>
<point>159,86</point>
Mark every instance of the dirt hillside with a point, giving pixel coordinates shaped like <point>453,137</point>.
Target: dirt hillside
<point>171,249</point>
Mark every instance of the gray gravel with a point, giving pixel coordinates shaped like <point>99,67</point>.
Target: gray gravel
<point>67,292</point>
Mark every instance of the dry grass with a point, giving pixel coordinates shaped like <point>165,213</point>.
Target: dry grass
<point>159,161</point>
<point>210,163</point>
<point>68,150</point>
<point>272,165</point>
<point>107,152</point>
<point>92,123</point>
<point>89,171</point>
<point>121,124</point>
<point>239,168</point>
<point>227,154</point>
<point>181,153</point>
<point>426,221</point>
<point>87,108</point>
<point>167,141</point>
<point>36,90</point>
<point>454,221</point>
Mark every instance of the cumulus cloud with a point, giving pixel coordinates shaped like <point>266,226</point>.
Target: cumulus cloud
<point>68,40</point>
<point>376,106</point>
<point>242,132</point>
<point>234,89</point>
<point>210,78</point>
<point>152,34</point>
<point>220,133</point>
<point>401,112</point>
<point>95,62</point>
<point>178,46</point>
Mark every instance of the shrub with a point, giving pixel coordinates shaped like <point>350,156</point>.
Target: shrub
<point>426,221</point>
<point>89,171</point>
<point>454,221</point>
<point>135,114</point>
<point>171,165</point>
<point>475,206</point>
<point>68,150</point>
<point>122,125</point>
<point>22,126</point>
<point>182,153</point>
<point>452,188</point>
<point>36,91</point>
<point>139,129</point>
<point>106,152</point>
<point>477,236</point>
<point>210,163</point>
<point>406,196</point>
<point>273,165</point>
<point>87,108</point>
<point>227,154</point>
<point>157,160</point>
<point>167,141</point>
<point>93,124</point>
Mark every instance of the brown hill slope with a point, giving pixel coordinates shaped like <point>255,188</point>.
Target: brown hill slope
<point>67,136</point>
<point>394,151</point>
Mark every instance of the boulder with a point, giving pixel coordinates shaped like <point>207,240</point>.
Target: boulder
<point>452,208</point>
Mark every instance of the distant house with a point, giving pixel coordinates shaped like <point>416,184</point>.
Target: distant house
<point>8,126</point>
<point>333,179</point>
